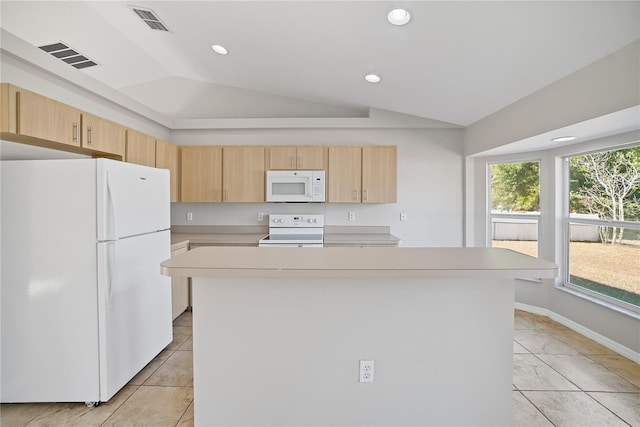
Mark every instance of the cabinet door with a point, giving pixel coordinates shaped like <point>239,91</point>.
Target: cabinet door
<point>379,174</point>
<point>179,290</point>
<point>8,111</point>
<point>345,172</point>
<point>201,174</point>
<point>44,118</point>
<point>243,172</point>
<point>167,157</point>
<point>103,135</point>
<point>141,148</point>
<point>282,157</point>
<point>310,157</point>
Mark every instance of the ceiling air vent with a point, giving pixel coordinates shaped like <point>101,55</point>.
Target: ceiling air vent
<point>150,17</point>
<point>68,55</point>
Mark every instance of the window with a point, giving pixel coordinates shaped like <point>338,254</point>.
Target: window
<point>603,226</point>
<point>515,206</point>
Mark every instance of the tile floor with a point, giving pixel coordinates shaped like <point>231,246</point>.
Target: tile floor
<point>560,378</point>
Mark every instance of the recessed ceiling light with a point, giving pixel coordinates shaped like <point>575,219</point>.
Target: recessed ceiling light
<point>219,49</point>
<point>399,16</point>
<point>564,138</point>
<point>372,78</point>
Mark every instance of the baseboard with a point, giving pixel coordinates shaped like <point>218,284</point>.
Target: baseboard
<point>600,339</point>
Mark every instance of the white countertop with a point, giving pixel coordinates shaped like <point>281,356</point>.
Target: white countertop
<point>348,262</point>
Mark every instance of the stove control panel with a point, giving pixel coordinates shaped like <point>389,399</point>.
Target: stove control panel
<point>301,221</point>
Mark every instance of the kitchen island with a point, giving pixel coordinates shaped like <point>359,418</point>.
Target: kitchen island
<point>279,333</point>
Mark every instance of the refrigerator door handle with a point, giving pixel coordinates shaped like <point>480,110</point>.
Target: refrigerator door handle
<point>112,273</point>
<point>110,215</point>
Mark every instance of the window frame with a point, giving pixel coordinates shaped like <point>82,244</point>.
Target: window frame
<point>568,220</point>
<point>491,215</point>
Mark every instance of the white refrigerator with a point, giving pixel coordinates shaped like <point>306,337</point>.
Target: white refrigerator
<point>84,306</point>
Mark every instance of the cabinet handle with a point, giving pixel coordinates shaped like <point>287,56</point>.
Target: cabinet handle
<point>299,162</point>
<point>89,135</point>
<point>226,194</point>
<point>366,195</point>
<point>75,132</point>
<point>357,194</point>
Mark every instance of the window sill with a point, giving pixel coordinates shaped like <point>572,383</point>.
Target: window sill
<point>599,301</point>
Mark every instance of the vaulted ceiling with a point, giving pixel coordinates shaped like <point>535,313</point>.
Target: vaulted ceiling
<point>454,62</point>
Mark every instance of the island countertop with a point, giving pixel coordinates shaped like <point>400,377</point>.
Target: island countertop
<point>348,262</point>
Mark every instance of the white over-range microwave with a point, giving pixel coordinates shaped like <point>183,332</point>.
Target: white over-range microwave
<point>295,186</point>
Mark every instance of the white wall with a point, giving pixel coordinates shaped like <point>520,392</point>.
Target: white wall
<point>26,76</point>
<point>608,85</point>
<point>429,182</point>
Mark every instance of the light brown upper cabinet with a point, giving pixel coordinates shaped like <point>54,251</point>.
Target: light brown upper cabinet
<point>379,174</point>
<point>302,157</point>
<point>201,174</point>
<point>103,135</point>
<point>168,157</point>
<point>141,148</point>
<point>344,183</point>
<point>32,115</point>
<point>243,172</point>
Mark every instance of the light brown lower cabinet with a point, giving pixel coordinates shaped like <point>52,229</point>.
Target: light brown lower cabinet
<point>179,289</point>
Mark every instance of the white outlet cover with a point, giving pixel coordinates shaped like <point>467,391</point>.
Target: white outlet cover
<point>366,371</point>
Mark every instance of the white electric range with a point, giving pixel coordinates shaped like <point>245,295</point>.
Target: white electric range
<point>287,230</point>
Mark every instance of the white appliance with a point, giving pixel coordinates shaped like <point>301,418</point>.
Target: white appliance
<point>84,307</point>
<point>295,186</point>
<point>294,230</point>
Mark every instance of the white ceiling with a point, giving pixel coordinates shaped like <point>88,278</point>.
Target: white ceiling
<point>455,62</point>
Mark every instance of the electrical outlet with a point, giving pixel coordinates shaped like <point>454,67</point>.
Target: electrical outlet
<point>352,216</point>
<point>189,216</point>
<point>403,216</point>
<point>366,371</point>
<point>260,216</point>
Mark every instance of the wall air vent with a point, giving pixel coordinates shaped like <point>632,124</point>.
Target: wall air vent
<point>68,55</point>
<point>150,17</point>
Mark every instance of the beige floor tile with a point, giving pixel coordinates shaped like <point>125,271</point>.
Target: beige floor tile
<point>19,414</point>
<point>525,414</point>
<point>572,409</point>
<point>146,372</point>
<point>153,407</point>
<point>530,373</point>
<point>180,335</point>
<point>524,320</point>
<point>78,415</point>
<point>622,366</point>
<point>177,370</point>
<point>624,405</point>
<point>187,346</point>
<point>185,319</point>
<point>587,374</point>
<point>187,418</point>
<point>517,348</point>
<point>581,343</point>
<point>541,342</point>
